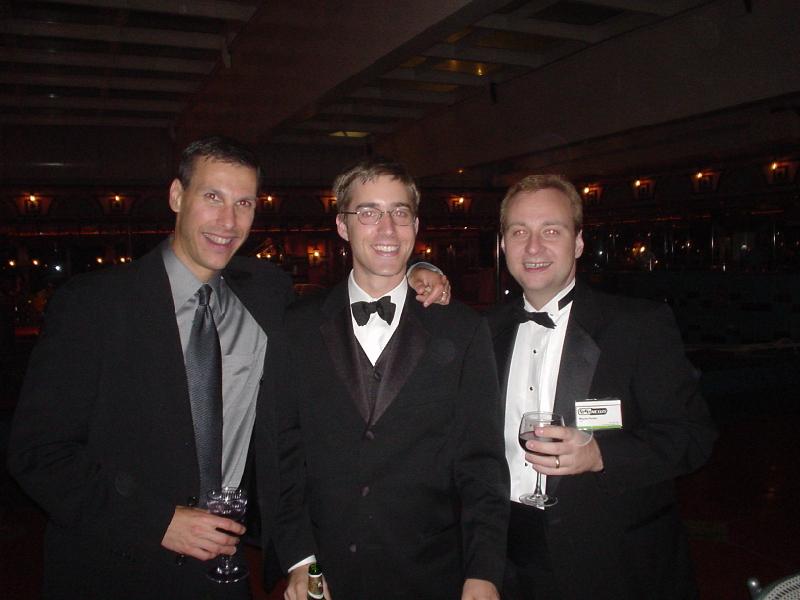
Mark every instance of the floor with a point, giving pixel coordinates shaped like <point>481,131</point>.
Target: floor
<point>740,509</point>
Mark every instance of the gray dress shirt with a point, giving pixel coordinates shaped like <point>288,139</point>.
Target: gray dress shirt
<point>243,344</point>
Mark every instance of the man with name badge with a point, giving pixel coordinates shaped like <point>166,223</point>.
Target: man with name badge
<point>615,371</point>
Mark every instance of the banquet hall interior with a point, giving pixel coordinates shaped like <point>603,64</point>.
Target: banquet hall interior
<point>677,120</point>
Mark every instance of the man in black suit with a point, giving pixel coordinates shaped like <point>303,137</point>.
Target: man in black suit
<point>103,436</point>
<point>392,469</point>
<point>615,531</point>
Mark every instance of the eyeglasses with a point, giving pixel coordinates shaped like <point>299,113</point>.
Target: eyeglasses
<point>367,215</point>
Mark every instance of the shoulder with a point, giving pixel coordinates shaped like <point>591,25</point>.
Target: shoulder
<point>98,285</point>
<point>445,320</point>
<point>258,270</point>
<point>604,313</point>
<point>619,306</point>
<point>501,315</point>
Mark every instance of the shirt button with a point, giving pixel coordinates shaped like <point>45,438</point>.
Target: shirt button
<point>353,548</point>
<point>376,376</point>
<point>369,435</point>
<point>365,491</point>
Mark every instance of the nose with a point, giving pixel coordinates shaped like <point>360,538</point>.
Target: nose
<point>226,216</point>
<point>386,224</point>
<point>533,245</point>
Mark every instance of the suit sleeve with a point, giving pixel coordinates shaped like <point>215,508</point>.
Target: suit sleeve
<point>53,422</point>
<point>481,472</point>
<point>672,432</point>
<point>294,540</point>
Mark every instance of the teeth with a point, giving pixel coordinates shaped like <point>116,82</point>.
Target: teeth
<point>539,265</point>
<point>218,240</point>
<point>386,248</point>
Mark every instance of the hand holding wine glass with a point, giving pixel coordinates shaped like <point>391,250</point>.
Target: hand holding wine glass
<point>231,503</point>
<point>527,431</point>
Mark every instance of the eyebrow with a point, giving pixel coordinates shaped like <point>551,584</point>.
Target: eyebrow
<point>375,205</point>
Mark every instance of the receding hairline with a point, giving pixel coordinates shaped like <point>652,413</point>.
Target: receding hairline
<point>537,183</point>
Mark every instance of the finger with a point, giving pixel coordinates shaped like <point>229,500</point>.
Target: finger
<point>200,554</point>
<point>430,298</point>
<point>553,431</point>
<point>228,525</point>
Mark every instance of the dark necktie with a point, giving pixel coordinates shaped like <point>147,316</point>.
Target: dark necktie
<point>384,307</point>
<point>204,374</point>
<point>542,318</point>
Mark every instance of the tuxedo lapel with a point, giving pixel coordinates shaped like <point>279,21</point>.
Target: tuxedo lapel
<point>578,362</point>
<point>265,303</point>
<point>505,334</point>
<point>403,352</point>
<point>343,348</point>
<point>159,341</point>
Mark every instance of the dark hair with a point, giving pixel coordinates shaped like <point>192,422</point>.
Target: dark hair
<point>534,183</point>
<point>370,169</point>
<point>217,148</point>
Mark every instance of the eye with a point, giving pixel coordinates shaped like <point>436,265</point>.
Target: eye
<point>245,203</point>
<point>369,213</point>
<point>211,196</point>
<point>518,232</point>
<point>551,231</point>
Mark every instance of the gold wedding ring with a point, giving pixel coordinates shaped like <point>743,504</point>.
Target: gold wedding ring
<point>558,463</point>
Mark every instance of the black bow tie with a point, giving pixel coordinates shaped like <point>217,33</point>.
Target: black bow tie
<point>542,318</point>
<point>384,307</point>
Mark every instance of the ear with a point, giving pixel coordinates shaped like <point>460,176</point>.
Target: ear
<point>579,244</point>
<point>416,225</point>
<point>175,195</point>
<point>341,227</point>
<point>503,243</point>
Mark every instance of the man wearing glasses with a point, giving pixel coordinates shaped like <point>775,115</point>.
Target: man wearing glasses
<point>392,472</point>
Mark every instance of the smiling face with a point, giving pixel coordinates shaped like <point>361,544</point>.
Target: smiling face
<point>213,214</point>
<point>380,252</point>
<point>540,243</point>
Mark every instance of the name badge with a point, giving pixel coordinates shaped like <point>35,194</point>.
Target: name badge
<point>598,413</point>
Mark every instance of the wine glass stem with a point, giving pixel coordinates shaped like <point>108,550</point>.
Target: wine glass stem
<point>538,490</point>
<point>225,563</point>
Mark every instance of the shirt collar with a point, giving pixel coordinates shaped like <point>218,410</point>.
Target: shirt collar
<point>184,284</point>
<point>551,308</point>
<point>398,294</point>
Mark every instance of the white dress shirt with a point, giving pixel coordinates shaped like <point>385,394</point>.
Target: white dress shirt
<point>374,336</point>
<point>532,380</point>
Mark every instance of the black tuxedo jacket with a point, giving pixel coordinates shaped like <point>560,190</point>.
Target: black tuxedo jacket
<point>617,534</point>
<point>103,437</point>
<point>409,499</point>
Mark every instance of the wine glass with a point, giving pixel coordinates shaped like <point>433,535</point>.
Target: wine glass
<point>530,421</point>
<point>229,502</point>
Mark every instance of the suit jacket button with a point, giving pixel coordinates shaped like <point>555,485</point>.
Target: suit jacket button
<point>376,375</point>
<point>369,435</point>
<point>365,491</point>
<point>353,548</point>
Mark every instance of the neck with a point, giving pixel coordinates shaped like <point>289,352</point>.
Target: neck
<point>538,302</point>
<point>377,286</point>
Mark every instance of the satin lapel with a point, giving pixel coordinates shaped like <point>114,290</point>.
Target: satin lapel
<point>404,351</point>
<point>578,362</point>
<point>503,338</point>
<point>343,348</point>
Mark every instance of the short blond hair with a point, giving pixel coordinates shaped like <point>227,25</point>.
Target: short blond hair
<point>369,170</point>
<point>535,183</point>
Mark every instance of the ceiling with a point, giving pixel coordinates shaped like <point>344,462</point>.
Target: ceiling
<point>409,78</point>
